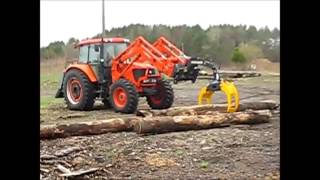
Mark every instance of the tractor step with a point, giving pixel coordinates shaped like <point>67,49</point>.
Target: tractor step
<point>59,94</point>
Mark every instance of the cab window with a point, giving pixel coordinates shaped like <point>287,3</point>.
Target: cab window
<point>83,54</point>
<point>94,53</point>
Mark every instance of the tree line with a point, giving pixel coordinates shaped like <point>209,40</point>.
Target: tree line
<point>223,43</point>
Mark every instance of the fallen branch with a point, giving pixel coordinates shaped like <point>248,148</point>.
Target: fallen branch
<point>47,157</point>
<point>63,169</point>
<point>44,170</point>
<point>181,123</point>
<point>78,173</point>
<point>67,151</point>
<point>76,115</point>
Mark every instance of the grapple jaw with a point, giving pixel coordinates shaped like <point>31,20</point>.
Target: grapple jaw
<point>227,87</point>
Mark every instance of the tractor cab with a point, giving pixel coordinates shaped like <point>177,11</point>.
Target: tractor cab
<point>91,52</point>
<point>90,49</point>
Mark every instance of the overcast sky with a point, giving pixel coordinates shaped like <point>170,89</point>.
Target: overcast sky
<point>60,20</point>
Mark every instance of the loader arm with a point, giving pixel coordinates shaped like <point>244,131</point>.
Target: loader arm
<point>170,50</point>
<point>143,52</point>
<point>184,70</point>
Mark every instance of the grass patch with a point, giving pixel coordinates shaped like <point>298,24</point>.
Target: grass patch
<point>50,81</point>
<point>46,101</point>
<point>204,164</point>
<point>110,153</point>
<point>180,152</point>
<point>50,77</point>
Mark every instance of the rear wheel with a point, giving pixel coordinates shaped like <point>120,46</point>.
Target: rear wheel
<point>164,99</point>
<point>124,97</point>
<point>78,91</point>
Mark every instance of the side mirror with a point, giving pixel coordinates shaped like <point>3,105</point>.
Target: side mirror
<point>108,55</point>
<point>96,48</point>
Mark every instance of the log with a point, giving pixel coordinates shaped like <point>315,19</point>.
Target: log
<point>165,124</point>
<point>204,109</point>
<point>86,128</point>
<point>231,74</point>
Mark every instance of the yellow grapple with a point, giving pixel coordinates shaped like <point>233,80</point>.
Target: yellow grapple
<point>230,91</point>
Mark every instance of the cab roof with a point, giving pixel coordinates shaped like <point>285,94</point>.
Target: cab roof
<point>105,40</point>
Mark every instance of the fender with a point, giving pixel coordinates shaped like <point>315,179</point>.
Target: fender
<point>85,68</point>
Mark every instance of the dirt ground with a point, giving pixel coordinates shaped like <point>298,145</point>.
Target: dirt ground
<point>236,152</point>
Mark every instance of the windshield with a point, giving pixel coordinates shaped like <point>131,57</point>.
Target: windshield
<point>114,49</point>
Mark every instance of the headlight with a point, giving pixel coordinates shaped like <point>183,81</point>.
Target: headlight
<point>152,71</point>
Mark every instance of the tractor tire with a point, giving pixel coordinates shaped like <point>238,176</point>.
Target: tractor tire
<point>123,97</point>
<point>79,92</point>
<point>164,99</point>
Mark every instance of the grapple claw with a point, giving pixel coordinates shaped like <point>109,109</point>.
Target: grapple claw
<point>228,88</point>
<point>232,95</point>
<point>206,95</point>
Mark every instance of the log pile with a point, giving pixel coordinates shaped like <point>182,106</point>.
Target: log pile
<point>172,119</point>
<point>231,74</point>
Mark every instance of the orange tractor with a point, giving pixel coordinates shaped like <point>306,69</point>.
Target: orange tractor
<point>119,72</point>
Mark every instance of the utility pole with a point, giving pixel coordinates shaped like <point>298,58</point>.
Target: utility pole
<point>103,28</point>
<point>102,60</point>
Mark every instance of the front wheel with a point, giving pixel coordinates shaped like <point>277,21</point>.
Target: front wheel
<point>124,97</point>
<point>163,99</point>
